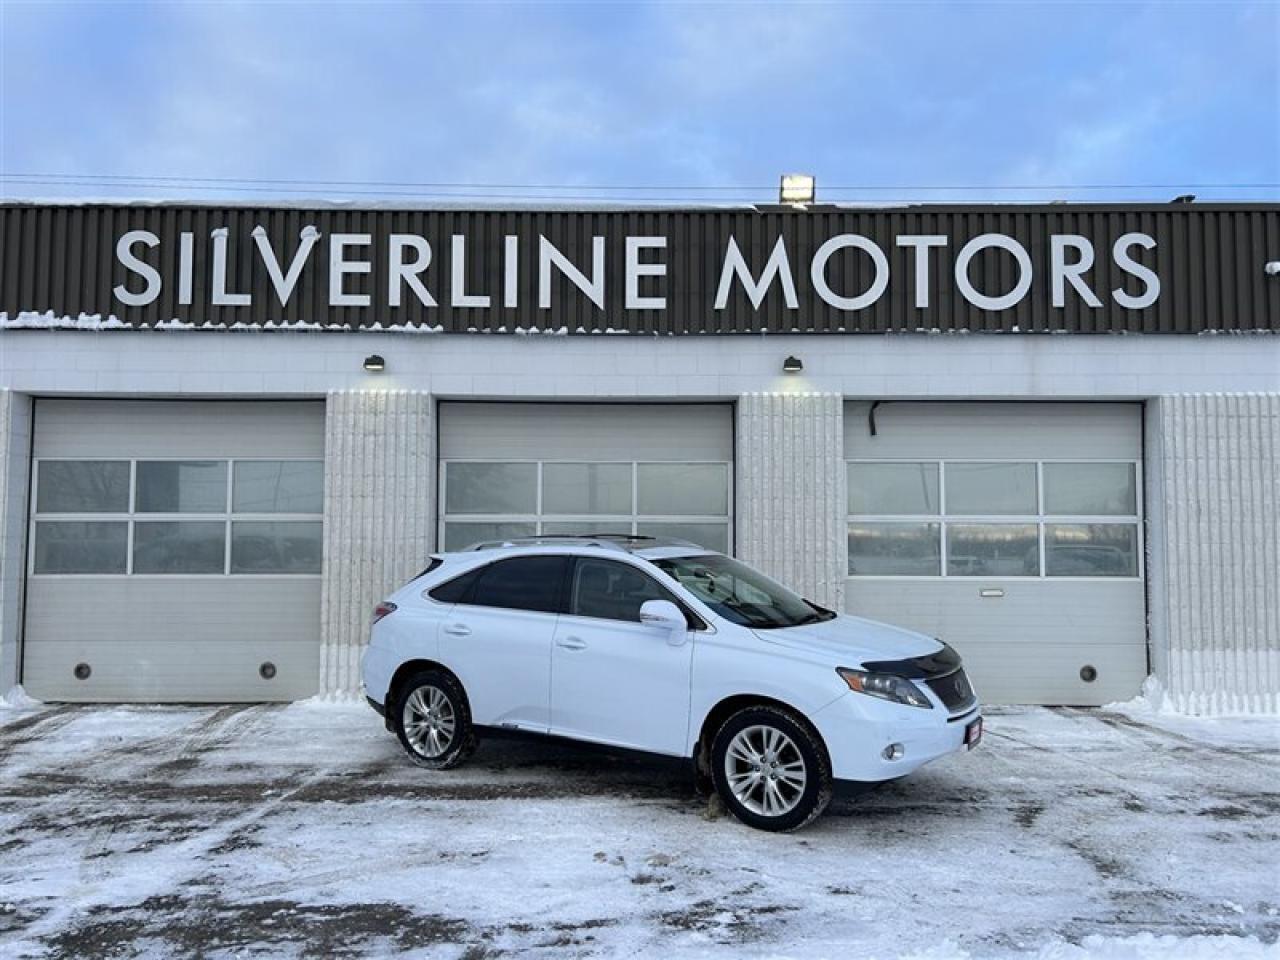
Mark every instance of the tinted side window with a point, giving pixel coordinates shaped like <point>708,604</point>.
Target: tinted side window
<point>612,591</point>
<point>453,591</point>
<point>522,583</point>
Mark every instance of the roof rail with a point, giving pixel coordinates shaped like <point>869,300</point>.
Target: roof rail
<point>625,542</point>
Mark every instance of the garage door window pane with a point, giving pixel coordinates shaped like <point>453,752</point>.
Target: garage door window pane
<point>278,486</point>
<point>713,536</point>
<point>586,488</point>
<point>182,486</point>
<point>179,546</point>
<point>73,546</point>
<point>1090,489</point>
<point>491,487</point>
<point>459,535</point>
<point>895,550</point>
<point>991,488</point>
<point>585,527</point>
<point>893,488</point>
<point>1091,549</point>
<point>993,550</point>
<point>684,489</point>
<point>275,546</point>
<point>83,486</point>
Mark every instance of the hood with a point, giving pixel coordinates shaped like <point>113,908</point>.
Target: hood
<point>848,641</point>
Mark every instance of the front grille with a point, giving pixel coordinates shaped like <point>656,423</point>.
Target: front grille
<point>953,690</point>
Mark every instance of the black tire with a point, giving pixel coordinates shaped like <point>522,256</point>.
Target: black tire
<point>805,744</point>
<point>450,703</point>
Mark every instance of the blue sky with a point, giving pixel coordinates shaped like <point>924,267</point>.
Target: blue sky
<point>988,95</point>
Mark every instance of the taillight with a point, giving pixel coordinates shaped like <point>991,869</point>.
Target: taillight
<point>382,609</point>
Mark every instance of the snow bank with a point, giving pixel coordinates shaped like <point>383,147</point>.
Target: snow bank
<point>1155,700</point>
<point>1143,946</point>
<point>17,699</point>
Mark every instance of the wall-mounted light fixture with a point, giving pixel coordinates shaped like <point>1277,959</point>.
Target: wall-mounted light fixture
<point>374,363</point>
<point>797,188</point>
<point>1272,269</point>
<point>792,365</point>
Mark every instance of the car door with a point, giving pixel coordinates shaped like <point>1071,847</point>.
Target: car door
<point>613,679</point>
<point>497,638</point>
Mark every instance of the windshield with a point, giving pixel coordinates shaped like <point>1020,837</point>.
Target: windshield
<point>740,594</point>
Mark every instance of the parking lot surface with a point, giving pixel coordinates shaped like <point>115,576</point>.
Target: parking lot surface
<point>303,831</point>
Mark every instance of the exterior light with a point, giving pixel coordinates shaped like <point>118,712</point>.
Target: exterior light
<point>792,365</point>
<point>796,188</point>
<point>1272,269</point>
<point>374,363</point>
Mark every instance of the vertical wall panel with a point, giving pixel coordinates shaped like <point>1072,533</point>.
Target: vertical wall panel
<point>15,448</point>
<point>1213,463</point>
<point>790,490</point>
<point>379,516</point>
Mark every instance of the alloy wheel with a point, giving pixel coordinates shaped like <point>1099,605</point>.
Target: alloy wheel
<point>765,770</point>
<point>429,721</point>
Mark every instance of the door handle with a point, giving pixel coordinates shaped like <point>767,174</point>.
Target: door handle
<point>458,630</point>
<point>571,643</point>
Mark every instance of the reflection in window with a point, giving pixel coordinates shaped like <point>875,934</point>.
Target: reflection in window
<point>1091,550</point>
<point>82,486</point>
<point>993,550</point>
<point>491,487</point>
<point>182,486</point>
<point>713,536</point>
<point>74,546</point>
<point>276,546</point>
<point>893,488</point>
<point>1090,489</point>
<point>179,546</point>
<point>278,486</point>
<point>683,489</point>
<point>586,488</point>
<point>980,489</point>
<point>611,590</point>
<point>459,535</point>
<point>894,549</point>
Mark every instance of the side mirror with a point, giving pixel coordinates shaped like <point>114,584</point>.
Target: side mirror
<point>665,615</point>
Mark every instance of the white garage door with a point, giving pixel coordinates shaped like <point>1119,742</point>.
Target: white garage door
<point>519,469</point>
<point>175,551</point>
<point>1013,531</point>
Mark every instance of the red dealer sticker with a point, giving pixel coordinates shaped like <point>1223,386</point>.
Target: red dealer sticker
<point>973,733</point>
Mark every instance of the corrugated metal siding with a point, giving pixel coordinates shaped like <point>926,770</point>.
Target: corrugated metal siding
<point>1210,260</point>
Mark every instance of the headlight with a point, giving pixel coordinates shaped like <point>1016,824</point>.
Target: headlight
<point>885,686</point>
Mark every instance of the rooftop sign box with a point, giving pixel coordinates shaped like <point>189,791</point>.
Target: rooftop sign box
<point>999,268</point>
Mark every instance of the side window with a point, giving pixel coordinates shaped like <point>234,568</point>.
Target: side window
<point>611,591</point>
<point>522,583</point>
<point>452,591</point>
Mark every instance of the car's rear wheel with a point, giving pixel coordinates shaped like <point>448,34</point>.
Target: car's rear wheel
<point>771,769</point>
<point>433,720</point>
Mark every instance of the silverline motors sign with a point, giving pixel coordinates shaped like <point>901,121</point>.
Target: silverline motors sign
<point>409,256</point>
<point>829,269</point>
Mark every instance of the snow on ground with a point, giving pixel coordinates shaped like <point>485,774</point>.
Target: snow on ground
<point>302,831</point>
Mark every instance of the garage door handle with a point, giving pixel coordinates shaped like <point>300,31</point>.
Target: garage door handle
<point>458,630</point>
<point>571,643</point>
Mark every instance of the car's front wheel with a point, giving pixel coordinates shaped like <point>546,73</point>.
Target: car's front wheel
<point>433,720</point>
<point>771,769</point>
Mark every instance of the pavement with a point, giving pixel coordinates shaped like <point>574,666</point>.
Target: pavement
<point>302,831</point>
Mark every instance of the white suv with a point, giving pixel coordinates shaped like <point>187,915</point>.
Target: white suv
<point>663,647</point>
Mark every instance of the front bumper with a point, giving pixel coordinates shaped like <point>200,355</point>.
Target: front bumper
<point>857,729</point>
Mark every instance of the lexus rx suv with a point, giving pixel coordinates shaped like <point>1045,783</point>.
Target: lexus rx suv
<point>663,647</point>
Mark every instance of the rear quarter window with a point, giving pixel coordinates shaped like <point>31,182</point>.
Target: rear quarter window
<point>457,589</point>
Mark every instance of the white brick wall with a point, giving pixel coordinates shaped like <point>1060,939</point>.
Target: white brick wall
<point>379,516</point>
<point>1213,468</point>
<point>790,490</point>
<point>15,448</point>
